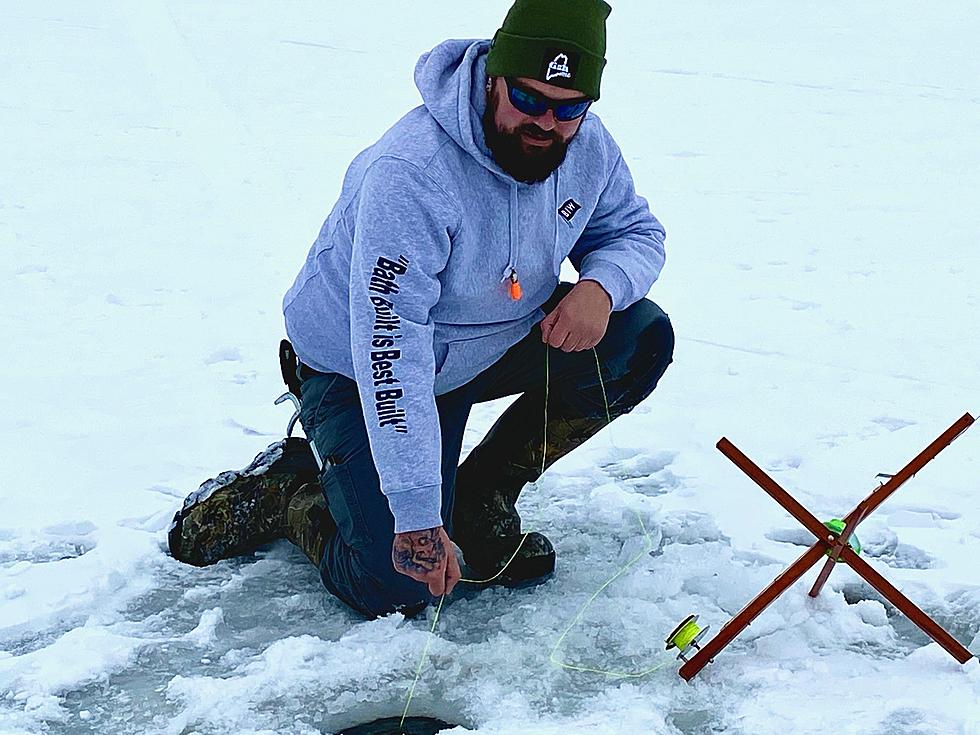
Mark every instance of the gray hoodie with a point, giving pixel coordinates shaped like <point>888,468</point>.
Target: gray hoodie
<point>406,288</point>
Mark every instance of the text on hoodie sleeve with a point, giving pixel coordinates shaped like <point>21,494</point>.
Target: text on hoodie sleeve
<point>401,241</point>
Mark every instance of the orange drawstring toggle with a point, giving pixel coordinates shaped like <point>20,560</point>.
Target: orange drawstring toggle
<point>515,286</point>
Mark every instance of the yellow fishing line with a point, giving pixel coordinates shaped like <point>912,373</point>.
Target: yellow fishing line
<point>615,674</point>
<point>585,606</point>
<point>435,621</point>
<point>682,638</point>
<point>602,384</point>
<point>547,381</point>
<point>418,671</point>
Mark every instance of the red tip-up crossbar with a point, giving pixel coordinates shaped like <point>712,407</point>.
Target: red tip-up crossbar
<point>836,547</point>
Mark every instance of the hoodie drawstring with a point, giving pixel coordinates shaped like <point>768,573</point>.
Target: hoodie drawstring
<point>554,216</point>
<point>511,270</point>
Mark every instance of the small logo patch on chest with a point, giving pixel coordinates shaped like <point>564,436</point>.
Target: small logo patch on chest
<point>568,209</point>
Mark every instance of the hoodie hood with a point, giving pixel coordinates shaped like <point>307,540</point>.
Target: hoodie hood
<point>452,79</point>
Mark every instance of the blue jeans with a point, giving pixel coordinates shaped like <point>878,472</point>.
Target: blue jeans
<point>356,565</point>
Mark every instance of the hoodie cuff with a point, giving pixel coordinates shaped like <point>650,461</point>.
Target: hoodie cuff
<point>612,278</point>
<point>416,509</point>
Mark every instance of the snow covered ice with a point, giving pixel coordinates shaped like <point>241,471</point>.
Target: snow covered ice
<point>164,166</point>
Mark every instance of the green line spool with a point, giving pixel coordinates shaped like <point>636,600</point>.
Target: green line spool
<point>686,636</point>
<point>837,526</point>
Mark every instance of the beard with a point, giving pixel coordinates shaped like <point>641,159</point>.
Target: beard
<point>528,164</point>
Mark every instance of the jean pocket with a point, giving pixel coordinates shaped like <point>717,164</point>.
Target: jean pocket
<point>341,494</point>
<point>324,394</point>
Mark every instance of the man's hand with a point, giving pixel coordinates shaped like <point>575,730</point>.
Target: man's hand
<point>427,556</point>
<point>580,319</point>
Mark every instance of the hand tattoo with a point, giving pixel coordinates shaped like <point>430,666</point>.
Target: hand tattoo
<point>418,551</point>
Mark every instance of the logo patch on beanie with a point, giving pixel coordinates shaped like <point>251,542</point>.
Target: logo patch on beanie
<point>558,66</point>
<point>568,209</point>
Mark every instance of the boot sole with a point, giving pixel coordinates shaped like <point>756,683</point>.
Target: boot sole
<point>238,511</point>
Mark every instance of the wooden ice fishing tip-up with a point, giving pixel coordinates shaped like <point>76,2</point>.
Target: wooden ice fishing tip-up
<point>836,540</point>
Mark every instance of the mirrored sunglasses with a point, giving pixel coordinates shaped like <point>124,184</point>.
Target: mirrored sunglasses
<point>534,104</point>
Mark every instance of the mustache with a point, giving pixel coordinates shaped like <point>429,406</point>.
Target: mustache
<point>535,132</point>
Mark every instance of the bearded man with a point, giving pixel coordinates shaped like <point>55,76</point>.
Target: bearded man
<point>434,285</point>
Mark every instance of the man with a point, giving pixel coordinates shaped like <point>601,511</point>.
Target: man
<point>433,285</point>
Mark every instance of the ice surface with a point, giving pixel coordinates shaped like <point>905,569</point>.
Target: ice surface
<point>165,165</point>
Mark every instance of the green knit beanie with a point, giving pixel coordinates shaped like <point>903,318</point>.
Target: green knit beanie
<point>560,42</point>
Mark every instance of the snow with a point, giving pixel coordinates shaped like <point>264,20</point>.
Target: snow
<point>165,165</point>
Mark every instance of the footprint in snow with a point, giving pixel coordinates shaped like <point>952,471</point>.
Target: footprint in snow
<point>914,517</point>
<point>883,544</point>
<point>789,462</point>
<point>642,464</point>
<point>794,536</point>
<point>225,354</point>
<point>891,423</point>
<point>54,543</point>
<point>690,527</point>
<point>659,483</point>
<point>34,268</point>
<point>44,552</point>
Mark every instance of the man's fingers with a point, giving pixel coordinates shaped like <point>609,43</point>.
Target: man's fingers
<point>558,333</point>
<point>547,324</point>
<point>437,581</point>
<point>558,337</point>
<point>453,573</point>
<point>577,342</point>
<point>565,345</point>
<point>442,581</point>
<point>574,342</point>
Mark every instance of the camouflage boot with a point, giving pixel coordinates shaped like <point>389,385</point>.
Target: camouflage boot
<point>237,512</point>
<point>309,524</point>
<point>486,524</point>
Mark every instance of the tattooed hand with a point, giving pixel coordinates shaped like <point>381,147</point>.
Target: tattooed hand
<point>427,556</point>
